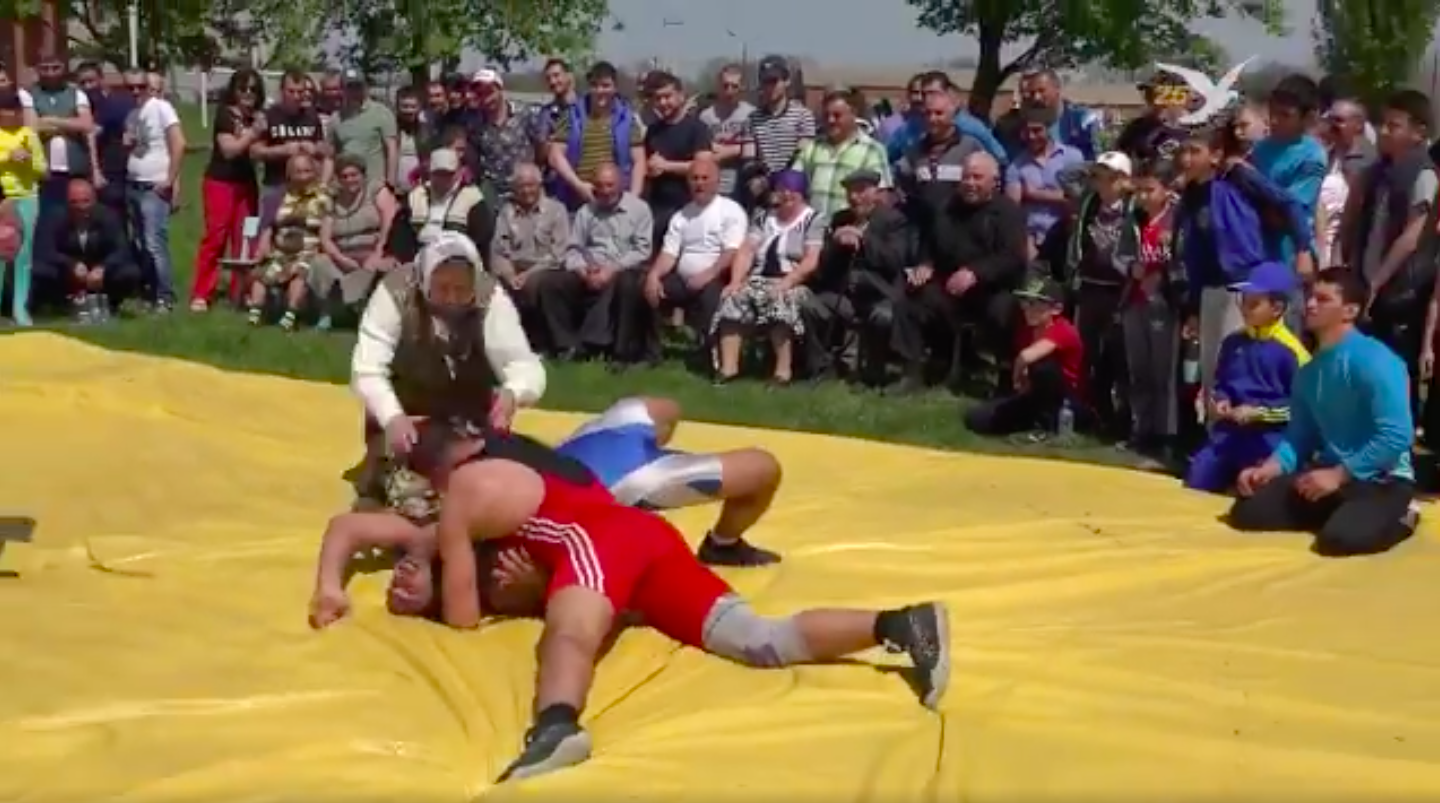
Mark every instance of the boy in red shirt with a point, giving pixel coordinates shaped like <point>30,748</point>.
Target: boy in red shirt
<point>1150,316</point>
<point>1049,367</point>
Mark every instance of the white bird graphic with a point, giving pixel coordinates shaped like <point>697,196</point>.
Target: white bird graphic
<point>1216,96</point>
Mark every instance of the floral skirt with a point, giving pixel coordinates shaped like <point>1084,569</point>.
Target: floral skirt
<point>761,304</point>
<point>281,269</point>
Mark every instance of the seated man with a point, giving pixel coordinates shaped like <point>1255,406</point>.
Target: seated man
<point>603,559</point>
<point>610,247</point>
<point>528,254</point>
<point>445,201</point>
<point>1249,404</point>
<point>867,249</point>
<point>91,256</point>
<point>972,259</point>
<point>694,261</point>
<point>625,448</point>
<point>1343,468</point>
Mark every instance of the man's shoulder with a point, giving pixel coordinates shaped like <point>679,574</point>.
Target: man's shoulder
<point>729,208</point>
<point>549,207</point>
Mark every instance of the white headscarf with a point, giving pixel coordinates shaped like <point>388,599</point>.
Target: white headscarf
<point>447,246</point>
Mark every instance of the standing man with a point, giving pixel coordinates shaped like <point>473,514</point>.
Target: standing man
<point>1033,179</point>
<point>728,119</point>
<point>778,129</point>
<point>672,143</point>
<point>504,137</point>
<point>110,110</point>
<point>366,129</point>
<point>844,149</point>
<point>414,138</point>
<point>599,129</point>
<point>925,85</point>
<point>1343,468</point>
<point>291,129</point>
<point>66,125</point>
<point>1070,123</point>
<point>157,152</point>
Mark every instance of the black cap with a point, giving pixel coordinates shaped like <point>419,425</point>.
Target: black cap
<point>774,68</point>
<point>862,176</point>
<point>1041,288</point>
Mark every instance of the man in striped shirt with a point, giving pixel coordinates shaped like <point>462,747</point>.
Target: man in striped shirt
<point>778,129</point>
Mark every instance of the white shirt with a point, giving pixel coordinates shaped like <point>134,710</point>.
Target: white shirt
<point>149,125</point>
<point>59,146</point>
<point>697,235</point>
<point>506,347</point>
<point>1334,191</point>
<point>27,100</point>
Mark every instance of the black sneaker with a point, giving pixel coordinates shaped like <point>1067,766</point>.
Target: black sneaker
<point>926,639</point>
<point>549,748</point>
<point>735,553</point>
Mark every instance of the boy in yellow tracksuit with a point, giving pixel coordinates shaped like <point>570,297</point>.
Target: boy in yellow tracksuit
<point>22,166</point>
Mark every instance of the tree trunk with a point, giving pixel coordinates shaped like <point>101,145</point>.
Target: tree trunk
<point>988,72</point>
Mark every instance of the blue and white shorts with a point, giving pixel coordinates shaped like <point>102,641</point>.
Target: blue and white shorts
<point>619,446</point>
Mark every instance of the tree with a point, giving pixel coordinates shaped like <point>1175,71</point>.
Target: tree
<point>1119,33</point>
<point>1376,44</point>
<point>414,34</point>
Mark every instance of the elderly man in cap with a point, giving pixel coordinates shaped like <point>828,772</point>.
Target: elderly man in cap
<point>444,202</point>
<point>867,249</point>
<point>367,130</point>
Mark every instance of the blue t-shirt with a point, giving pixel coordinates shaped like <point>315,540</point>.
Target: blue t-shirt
<point>1298,167</point>
<point>111,111</point>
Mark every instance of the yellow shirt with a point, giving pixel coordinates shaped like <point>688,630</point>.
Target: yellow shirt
<point>20,179</point>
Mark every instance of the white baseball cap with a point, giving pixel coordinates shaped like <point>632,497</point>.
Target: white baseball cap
<point>444,160</point>
<point>1117,161</point>
<point>488,76</point>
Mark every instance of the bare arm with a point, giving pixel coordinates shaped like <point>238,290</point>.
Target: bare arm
<point>175,145</point>
<point>350,533</point>
<point>560,163</point>
<point>484,500</point>
<point>387,206</point>
<point>637,172</point>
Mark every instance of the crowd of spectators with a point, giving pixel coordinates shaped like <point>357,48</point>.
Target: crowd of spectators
<point>1151,293</point>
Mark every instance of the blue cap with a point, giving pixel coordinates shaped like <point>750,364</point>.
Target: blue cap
<point>1270,278</point>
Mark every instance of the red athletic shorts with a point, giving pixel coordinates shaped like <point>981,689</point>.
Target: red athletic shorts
<point>635,558</point>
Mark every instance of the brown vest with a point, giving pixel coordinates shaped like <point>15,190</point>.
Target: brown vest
<point>428,379</point>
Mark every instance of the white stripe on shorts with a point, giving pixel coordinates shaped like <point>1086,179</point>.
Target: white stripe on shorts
<point>578,548</point>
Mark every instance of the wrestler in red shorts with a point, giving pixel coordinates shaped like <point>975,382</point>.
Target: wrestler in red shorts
<point>605,558</point>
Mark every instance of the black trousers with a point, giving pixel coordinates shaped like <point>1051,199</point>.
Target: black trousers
<point>608,321</point>
<point>698,304</point>
<point>1097,317</point>
<point>873,299</point>
<point>544,311</point>
<point>1362,518</point>
<point>1401,326</point>
<point>1036,407</point>
<point>927,313</point>
<point>827,315</point>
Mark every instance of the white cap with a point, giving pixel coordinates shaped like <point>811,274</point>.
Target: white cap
<point>488,76</point>
<point>444,159</point>
<point>1117,161</point>
<point>446,246</point>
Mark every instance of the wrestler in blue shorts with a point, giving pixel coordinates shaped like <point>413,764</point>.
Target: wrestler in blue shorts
<point>626,448</point>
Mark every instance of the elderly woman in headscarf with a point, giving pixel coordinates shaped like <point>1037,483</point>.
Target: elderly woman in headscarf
<point>768,279</point>
<point>439,338</point>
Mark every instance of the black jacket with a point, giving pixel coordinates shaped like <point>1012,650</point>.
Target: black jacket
<point>988,239</point>
<point>890,245</point>
<point>105,244</point>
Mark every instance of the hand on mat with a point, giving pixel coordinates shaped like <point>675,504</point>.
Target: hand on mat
<point>401,435</point>
<point>1252,478</point>
<point>328,607</point>
<point>502,411</point>
<point>1320,482</point>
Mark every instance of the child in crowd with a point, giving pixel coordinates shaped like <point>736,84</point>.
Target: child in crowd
<point>1047,372</point>
<point>1104,244</point>
<point>1223,193</point>
<point>1150,317</point>
<point>1292,159</point>
<point>22,166</point>
<point>289,246</point>
<point>1249,404</point>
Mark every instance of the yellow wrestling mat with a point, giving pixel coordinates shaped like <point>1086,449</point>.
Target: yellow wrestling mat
<point>1112,641</point>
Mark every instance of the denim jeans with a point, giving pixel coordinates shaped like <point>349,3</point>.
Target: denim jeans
<point>150,222</point>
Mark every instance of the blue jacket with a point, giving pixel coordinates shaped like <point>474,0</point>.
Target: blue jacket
<point>1256,368</point>
<point>1076,126</point>
<point>621,121</point>
<point>1351,407</point>
<point>1256,217</point>
<point>913,129</point>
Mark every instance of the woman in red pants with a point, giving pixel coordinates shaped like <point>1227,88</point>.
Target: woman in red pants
<point>228,192</point>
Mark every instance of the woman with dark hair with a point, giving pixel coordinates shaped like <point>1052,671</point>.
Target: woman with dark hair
<point>229,191</point>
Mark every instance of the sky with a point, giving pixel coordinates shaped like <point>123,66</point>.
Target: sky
<point>870,33</point>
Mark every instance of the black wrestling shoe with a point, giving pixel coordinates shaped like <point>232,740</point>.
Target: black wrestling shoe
<point>739,552</point>
<point>923,633</point>
<point>549,748</point>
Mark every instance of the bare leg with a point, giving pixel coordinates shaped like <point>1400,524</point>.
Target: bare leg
<point>664,415</point>
<point>783,343</point>
<point>577,628</point>
<point>730,341</point>
<point>749,480</point>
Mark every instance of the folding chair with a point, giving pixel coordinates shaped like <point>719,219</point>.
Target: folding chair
<point>242,262</point>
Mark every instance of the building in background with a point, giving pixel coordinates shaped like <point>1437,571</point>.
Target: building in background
<point>23,40</point>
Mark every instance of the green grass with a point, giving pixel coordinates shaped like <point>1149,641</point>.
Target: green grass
<point>221,338</point>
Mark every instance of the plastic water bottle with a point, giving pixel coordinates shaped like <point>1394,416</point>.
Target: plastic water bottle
<point>1190,368</point>
<point>1065,424</point>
